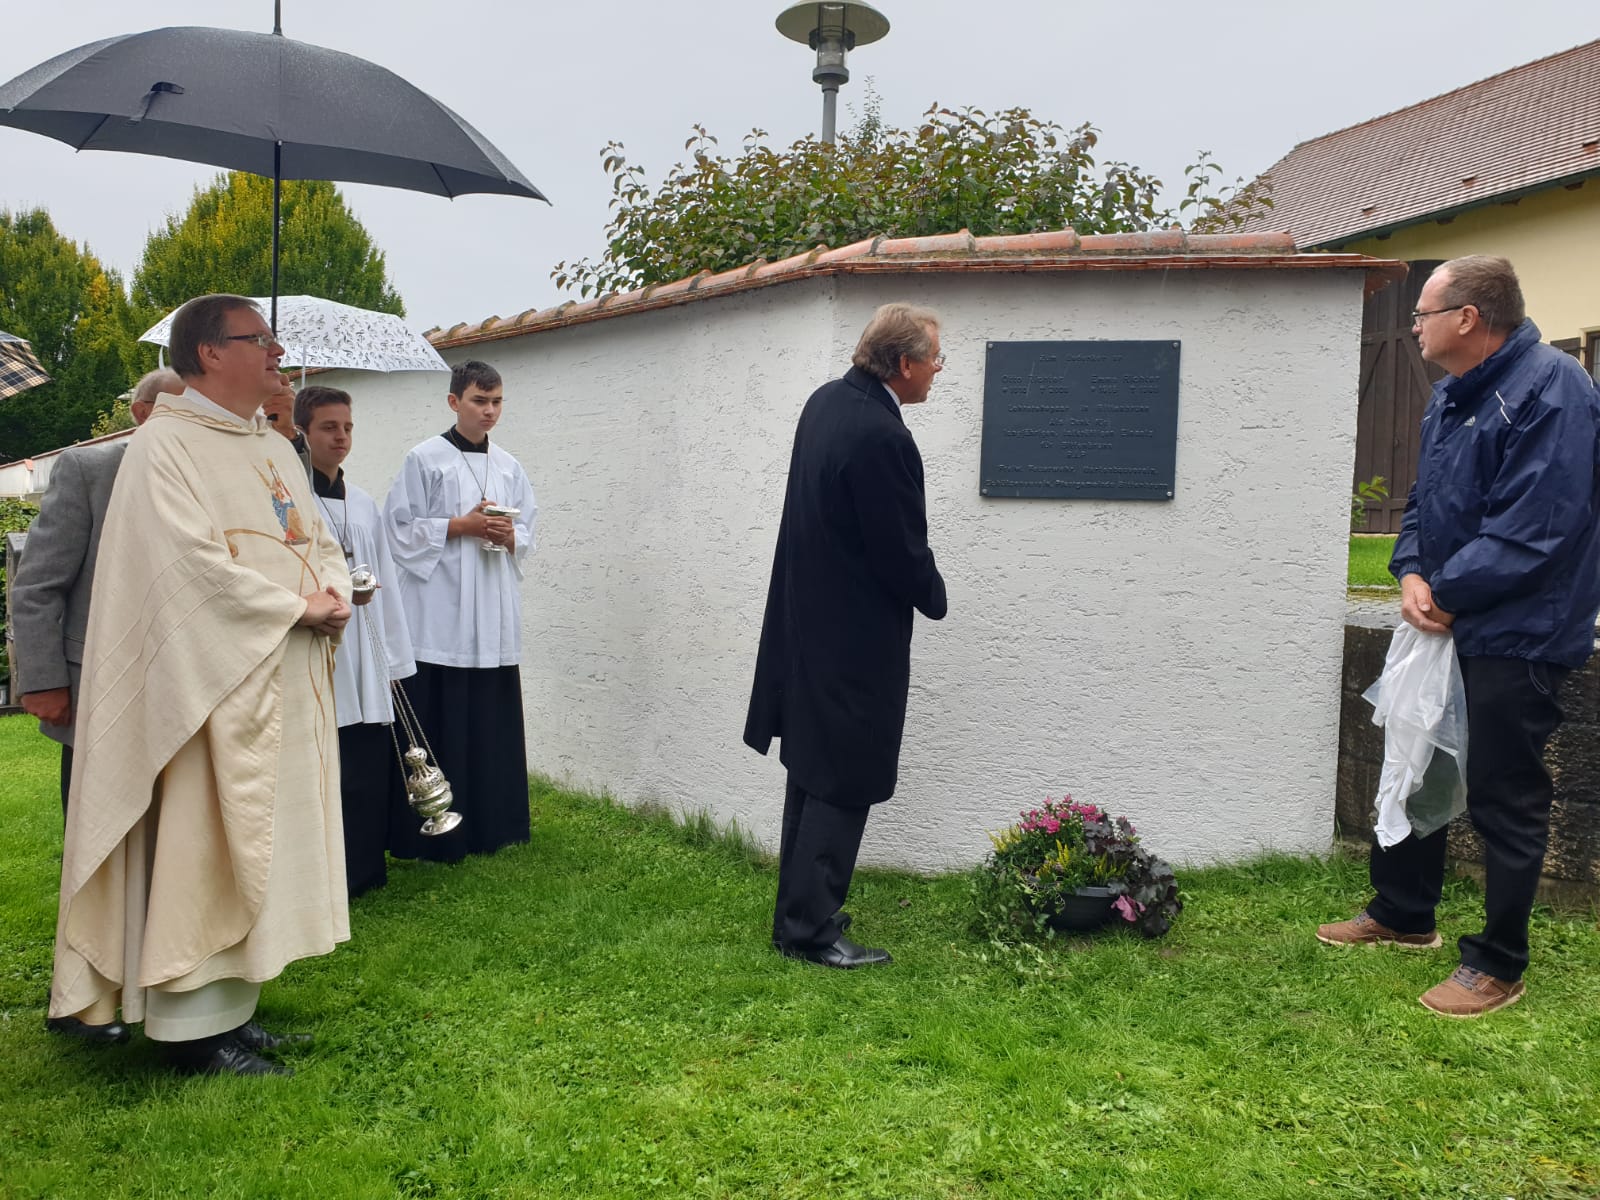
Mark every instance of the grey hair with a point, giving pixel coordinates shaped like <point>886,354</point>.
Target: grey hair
<point>202,321</point>
<point>895,330</point>
<point>161,381</point>
<point>1490,285</point>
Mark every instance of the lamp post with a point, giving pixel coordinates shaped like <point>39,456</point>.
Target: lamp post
<point>832,30</point>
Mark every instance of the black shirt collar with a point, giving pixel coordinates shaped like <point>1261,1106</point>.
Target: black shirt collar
<point>453,436</point>
<point>331,488</point>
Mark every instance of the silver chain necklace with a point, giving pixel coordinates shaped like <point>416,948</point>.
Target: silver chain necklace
<point>483,484</point>
<point>343,526</point>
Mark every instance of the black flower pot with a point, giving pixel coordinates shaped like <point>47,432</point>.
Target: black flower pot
<point>1085,908</point>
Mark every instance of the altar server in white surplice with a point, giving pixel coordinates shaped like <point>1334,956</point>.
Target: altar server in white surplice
<point>460,571</point>
<point>370,776</point>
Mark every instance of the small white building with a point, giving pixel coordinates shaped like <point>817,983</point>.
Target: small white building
<point>1177,661</point>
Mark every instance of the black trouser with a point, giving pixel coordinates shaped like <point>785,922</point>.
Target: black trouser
<point>66,776</point>
<point>816,858</point>
<point>1511,713</point>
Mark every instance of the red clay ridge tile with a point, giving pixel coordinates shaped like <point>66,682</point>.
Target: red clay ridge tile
<point>1059,241</point>
<point>784,266</point>
<point>854,250</point>
<point>625,299</point>
<point>1241,243</point>
<point>678,287</point>
<point>709,281</point>
<point>698,278</point>
<point>455,330</point>
<point>1163,241</point>
<point>581,307</point>
<point>941,243</point>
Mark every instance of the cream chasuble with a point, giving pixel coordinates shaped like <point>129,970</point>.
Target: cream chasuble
<point>204,838</point>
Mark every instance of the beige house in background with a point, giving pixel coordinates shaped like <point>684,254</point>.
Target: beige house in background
<point>1509,165</point>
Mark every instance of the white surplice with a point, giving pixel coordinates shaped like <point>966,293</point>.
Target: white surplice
<point>361,692</point>
<point>461,599</point>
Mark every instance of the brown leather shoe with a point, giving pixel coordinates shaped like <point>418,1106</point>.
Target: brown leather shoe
<point>1469,993</point>
<point>1362,930</point>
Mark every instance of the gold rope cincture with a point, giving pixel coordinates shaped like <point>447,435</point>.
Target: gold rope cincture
<point>427,790</point>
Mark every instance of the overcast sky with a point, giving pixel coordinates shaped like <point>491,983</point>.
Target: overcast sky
<point>551,84</point>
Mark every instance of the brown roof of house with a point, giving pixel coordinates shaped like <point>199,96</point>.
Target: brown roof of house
<point>1528,128</point>
<point>1057,250</point>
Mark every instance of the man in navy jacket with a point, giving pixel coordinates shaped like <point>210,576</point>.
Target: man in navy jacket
<point>834,665</point>
<point>1500,548</point>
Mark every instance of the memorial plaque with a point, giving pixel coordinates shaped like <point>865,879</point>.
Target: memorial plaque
<point>1080,420</point>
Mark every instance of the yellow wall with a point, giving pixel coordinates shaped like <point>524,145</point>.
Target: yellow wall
<point>1551,237</point>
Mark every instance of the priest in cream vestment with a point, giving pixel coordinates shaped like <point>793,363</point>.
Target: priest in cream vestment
<point>204,846</point>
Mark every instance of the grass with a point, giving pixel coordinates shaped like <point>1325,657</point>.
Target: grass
<point>1369,561</point>
<point>599,1014</point>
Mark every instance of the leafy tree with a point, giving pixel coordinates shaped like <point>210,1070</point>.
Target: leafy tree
<point>119,416</point>
<point>76,314</point>
<point>1009,172</point>
<point>223,243</point>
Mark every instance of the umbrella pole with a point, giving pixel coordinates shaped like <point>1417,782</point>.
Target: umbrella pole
<point>277,185</point>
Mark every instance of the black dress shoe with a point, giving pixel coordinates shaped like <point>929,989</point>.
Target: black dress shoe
<point>844,955</point>
<point>256,1039</point>
<point>100,1035</point>
<point>221,1056</point>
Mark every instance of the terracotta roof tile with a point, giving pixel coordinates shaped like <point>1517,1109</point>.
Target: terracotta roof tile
<point>864,246</point>
<point>1161,241</point>
<point>1029,243</point>
<point>941,243</point>
<point>1527,128</point>
<point>1051,251</point>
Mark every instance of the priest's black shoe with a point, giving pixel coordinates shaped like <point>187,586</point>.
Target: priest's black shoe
<point>257,1040</point>
<point>99,1035</point>
<point>221,1056</point>
<point>843,954</point>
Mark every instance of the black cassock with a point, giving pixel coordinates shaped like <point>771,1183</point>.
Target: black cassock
<point>835,659</point>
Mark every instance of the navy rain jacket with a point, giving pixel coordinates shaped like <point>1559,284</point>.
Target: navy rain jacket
<point>1504,519</point>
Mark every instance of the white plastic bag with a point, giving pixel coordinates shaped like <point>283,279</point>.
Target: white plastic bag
<point>1422,705</point>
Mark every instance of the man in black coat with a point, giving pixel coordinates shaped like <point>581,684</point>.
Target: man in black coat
<point>835,659</point>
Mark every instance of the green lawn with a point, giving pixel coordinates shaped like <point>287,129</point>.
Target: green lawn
<point>599,1014</point>
<point>1369,561</point>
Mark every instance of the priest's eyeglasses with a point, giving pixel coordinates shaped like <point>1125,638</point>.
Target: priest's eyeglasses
<point>265,340</point>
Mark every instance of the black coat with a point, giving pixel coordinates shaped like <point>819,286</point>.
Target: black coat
<point>852,562</point>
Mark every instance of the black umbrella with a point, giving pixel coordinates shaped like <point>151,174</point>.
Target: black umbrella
<point>257,102</point>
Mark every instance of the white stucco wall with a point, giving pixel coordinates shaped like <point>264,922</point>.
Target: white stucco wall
<point>1177,662</point>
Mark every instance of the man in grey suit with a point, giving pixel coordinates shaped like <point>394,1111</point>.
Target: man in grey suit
<point>50,594</point>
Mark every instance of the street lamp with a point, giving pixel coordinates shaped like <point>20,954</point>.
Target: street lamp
<point>832,30</point>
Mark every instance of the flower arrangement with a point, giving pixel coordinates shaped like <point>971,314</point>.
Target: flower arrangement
<point>1055,851</point>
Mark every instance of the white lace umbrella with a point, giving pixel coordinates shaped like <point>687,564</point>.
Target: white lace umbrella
<point>323,333</point>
